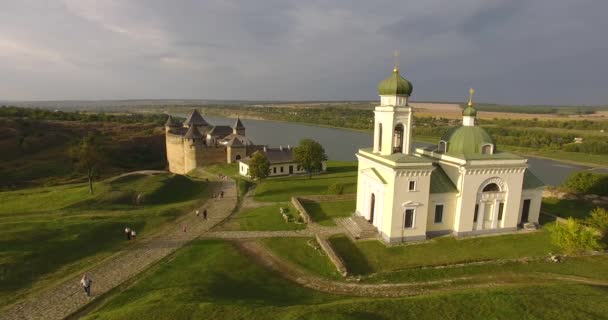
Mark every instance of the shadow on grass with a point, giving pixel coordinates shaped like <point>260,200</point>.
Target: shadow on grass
<point>568,208</point>
<point>355,261</point>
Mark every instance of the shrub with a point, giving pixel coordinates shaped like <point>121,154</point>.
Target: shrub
<point>574,237</point>
<point>599,220</point>
<point>587,182</point>
<point>336,188</point>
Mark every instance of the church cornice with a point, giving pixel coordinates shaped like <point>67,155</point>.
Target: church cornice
<point>486,171</point>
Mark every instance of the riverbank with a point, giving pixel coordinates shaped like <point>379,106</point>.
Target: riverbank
<point>582,159</point>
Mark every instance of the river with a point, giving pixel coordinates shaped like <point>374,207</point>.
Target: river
<point>342,144</point>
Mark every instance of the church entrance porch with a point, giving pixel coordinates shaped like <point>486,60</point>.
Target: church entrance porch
<point>490,205</point>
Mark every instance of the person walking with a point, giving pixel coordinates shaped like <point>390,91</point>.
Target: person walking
<point>205,214</point>
<point>128,233</point>
<point>184,228</point>
<point>86,284</point>
<point>222,194</point>
<point>197,213</point>
<point>133,234</point>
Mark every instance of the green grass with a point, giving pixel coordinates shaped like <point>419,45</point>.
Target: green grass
<point>301,252</point>
<point>50,233</point>
<point>366,257</point>
<point>283,188</point>
<point>267,218</point>
<point>324,212</point>
<point>567,208</point>
<point>211,280</point>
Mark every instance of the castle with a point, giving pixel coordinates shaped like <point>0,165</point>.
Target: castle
<point>463,185</point>
<point>195,143</point>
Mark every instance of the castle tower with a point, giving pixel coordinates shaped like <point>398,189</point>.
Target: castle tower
<point>238,127</point>
<point>195,119</point>
<point>170,124</point>
<point>193,148</point>
<point>393,117</point>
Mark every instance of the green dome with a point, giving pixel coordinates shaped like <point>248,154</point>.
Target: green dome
<point>466,140</point>
<point>469,111</point>
<point>395,84</point>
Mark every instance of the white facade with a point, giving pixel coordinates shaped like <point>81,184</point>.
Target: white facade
<point>279,169</point>
<point>432,192</point>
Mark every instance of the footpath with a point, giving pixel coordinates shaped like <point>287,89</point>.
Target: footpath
<point>68,297</point>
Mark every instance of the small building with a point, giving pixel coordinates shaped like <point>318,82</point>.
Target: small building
<point>281,162</point>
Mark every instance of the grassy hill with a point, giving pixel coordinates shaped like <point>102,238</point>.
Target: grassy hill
<point>50,232</point>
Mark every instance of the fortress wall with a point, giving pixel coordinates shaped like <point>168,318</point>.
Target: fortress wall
<point>175,153</point>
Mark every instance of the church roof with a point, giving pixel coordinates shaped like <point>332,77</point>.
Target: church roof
<point>440,182</point>
<point>195,119</point>
<point>469,111</point>
<point>466,140</point>
<point>395,84</point>
<point>531,181</point>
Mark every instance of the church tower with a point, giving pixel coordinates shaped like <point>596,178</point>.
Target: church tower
<point>393,117</point>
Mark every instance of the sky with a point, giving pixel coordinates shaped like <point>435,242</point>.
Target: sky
<point>511,51</point>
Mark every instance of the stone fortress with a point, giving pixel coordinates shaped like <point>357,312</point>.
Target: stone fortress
<point>195,143</point>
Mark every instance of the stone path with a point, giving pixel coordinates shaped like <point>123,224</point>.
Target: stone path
<point>311,231</point>
<point>66,298</point>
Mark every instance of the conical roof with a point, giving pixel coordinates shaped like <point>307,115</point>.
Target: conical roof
<point>170,122</point>
<point>238,124</point>
<point>193,133</point>
<point>195,119</point>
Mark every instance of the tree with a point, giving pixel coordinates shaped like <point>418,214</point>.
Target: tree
<point>86,157</point>
<point>258,166</point>
<point>599,220</point>
<point>573,237</point>
<point>310,155</point>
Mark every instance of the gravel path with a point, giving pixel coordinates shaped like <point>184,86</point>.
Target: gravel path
<point>66,298</point>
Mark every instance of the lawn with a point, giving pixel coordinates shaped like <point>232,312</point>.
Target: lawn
<point>211,280</point>
<point>305,253</point>
<point>367,257</point>
<point>283,188</point>
<point>324,212</point>
<point>49,233</point>
<point>567,208</point>
<point>267,218</point>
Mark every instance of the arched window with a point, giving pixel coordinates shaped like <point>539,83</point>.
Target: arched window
<point>492,187</point>
<point>442,146</point>
<point>486,149</point>
<point>398,139</point>
<point>379,136</point>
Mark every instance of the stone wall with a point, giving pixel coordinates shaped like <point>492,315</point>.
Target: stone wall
<point>331,254</point>
<point>329,197</point>
<point>175,153</point>
<point>303,213</point>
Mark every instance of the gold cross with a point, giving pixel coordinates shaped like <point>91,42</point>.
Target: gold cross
<point>471,91</point>
<point>396,61</point>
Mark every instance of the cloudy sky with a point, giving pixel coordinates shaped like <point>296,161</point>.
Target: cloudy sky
<point>511,51</point>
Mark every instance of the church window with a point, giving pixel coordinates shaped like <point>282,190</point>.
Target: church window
<point>486,149</point>
<point>409,218</point>
<point>281,169</point>
<point>379,136</point>
<point>398,139</point>
<point>442,146</point>
<point>476,213</point>
<point>412,186</point>
<point>501,208</point>
<point>439,213</point>
<point>492,187</point>
<point>274,170</point>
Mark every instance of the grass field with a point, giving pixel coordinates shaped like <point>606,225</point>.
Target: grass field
<point>302,252</point>
<point>267,218</point>
<point>567,208</point>
<point>47,233</point>
<point>282,189</point>
<point>211,280</point>
<point>367,257</point>
<point>324,212</point>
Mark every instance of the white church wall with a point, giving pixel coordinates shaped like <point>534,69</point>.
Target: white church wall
<point>536,198</point>
<point>448,200</point>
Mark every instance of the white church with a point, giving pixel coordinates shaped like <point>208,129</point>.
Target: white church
<point>463,185</point>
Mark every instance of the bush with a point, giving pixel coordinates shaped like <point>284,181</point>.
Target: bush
<point>336,188</point>
<point>573,237</point>
<point>599,220</point>
<point>587,182</point>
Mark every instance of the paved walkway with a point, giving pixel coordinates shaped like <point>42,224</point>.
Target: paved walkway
<point>68,297</point>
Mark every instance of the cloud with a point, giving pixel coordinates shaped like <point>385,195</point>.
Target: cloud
<point>512,51</point>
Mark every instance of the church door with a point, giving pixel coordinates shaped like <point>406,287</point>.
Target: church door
<point>372,208</point>
<point>525,211</point>
<point>290,169</point>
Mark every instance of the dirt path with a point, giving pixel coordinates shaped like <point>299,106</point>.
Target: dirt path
<point>263,256</point>
<point>66,298</point>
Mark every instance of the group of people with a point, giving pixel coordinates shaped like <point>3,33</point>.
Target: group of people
<point>219,195</point>
<point>198,213</point>
<point>130,233</point>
